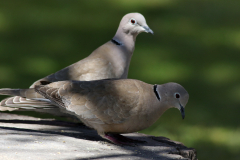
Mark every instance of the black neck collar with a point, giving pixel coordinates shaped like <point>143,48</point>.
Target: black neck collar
<point>116,42</point>
<point>156,92</point>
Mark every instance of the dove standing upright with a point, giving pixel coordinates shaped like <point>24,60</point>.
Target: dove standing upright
<point>111,60</point>
<point>111,107</point>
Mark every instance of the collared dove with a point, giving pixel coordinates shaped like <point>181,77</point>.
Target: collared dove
<point>112,106</point>
<point>111,60</point>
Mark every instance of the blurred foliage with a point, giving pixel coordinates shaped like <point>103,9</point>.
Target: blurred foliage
<point>195,43</point>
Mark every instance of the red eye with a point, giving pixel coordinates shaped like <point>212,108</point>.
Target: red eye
<point>177,95</point>
<point>133,21</point>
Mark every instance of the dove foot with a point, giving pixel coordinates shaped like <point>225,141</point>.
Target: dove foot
<point>121,140</point>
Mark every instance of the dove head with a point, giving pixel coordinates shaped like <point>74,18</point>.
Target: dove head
<point>174,95</point>
<point>133,24</point>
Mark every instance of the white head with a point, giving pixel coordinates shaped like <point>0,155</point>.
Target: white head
<point>133,24</point>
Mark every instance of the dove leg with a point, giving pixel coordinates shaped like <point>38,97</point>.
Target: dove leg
<point>121,140</point>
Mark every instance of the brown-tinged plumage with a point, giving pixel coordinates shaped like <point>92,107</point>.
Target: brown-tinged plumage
<point>111,107</point>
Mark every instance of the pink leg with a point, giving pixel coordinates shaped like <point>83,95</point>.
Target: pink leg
<point>121,140</point>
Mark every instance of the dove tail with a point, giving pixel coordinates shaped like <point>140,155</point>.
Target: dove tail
<point>26,93</point>
<point>22,99</point>
<point>11,92</point>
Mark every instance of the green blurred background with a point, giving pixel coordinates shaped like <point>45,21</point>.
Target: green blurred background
<point>195,43</point>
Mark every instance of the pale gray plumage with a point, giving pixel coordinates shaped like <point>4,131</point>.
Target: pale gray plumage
<point>111,106</point>
<point>111,60</point>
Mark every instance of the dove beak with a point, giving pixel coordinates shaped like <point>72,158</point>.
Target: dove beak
<point>182,111</point>
<point>147,29</point>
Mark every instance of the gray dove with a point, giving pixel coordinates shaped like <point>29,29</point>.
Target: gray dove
<point>111,60</point>
<point>111,107</point>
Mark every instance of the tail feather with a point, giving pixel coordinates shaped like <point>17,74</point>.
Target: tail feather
<point>4,108</point>
<point>11,92</point>
<point>27,100</point>
<point>23,99</point>
<point>28,93</point>
<point>20,102</point>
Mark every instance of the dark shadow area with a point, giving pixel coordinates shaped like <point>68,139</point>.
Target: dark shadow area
<point>76,133</point>
<point>45,122</point>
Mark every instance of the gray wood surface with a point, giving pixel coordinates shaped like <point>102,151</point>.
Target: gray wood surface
<point>29,138</point>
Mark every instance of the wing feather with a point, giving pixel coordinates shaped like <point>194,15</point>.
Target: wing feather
<point>105,102</point>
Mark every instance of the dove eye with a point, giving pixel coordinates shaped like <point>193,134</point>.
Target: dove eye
<point>177,95</point>
<point>133,21</point>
